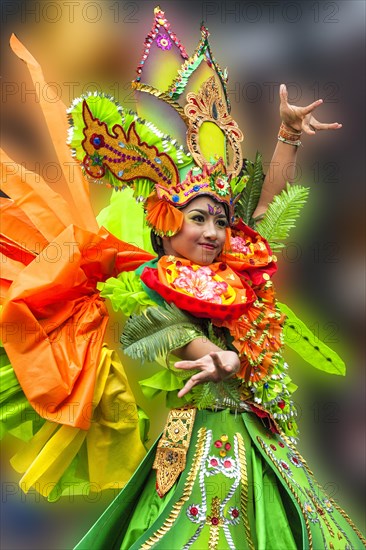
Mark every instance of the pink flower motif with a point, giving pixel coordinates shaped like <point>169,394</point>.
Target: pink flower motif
<point>238,244</point>
<point>200,283</point>
<point>214,462</point>
<point>163,42</point>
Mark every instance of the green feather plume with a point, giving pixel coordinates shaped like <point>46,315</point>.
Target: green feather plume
<point>282,214</point>
<point>158,331</point>
<point>300,338</point>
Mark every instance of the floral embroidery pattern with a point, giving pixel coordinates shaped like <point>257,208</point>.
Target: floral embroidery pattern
<point>200,283</point>
<point>221,457</point>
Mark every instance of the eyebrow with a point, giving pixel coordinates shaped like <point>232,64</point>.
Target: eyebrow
<point>221,215</point>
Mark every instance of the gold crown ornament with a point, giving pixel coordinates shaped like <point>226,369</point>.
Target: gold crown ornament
<point>166,167</point>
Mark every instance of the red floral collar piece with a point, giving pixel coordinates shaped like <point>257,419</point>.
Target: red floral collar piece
<point>213,291</point>
<point>249,254</point>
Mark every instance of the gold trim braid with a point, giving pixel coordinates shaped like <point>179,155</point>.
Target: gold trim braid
<point>170,459</point>
<point>244,489</point>
<point>161,95</point>
<point>187,490</point>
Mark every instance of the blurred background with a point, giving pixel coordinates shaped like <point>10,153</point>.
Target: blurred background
<point>318,50</point>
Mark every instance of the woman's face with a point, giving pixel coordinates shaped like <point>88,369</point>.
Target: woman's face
<point>203,234</point>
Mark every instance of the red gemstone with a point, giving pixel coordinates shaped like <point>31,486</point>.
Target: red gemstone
<point>273,447</point>
<point>193,511</point>
<point>227,463</point>
<point>227,446</point>
<point>295,460</point>
<point>222,266</point>
<point>284,465</point>
<point>218,444</point>
<point>281,404</point>
<point>213,462</point>
<point>215,521</point>
<point>281,444</point>
<point>235,513</point>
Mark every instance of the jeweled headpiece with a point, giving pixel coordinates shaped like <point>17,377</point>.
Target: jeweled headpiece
<point>182,143</point>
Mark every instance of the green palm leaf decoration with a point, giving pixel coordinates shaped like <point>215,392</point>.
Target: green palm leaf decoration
<point>300,338</point>
<point>158,331</point>
<point>211,394</point>
<point>282,214</point>
<point>249,198</point>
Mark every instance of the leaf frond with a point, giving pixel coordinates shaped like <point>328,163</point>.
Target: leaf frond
<point>249,198</point>
<point>157,331</point>
<point>282,214</point>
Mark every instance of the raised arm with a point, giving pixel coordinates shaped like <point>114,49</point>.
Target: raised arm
<point>295,120</point>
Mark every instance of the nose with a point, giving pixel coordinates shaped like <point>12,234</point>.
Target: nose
<point>210,230</point>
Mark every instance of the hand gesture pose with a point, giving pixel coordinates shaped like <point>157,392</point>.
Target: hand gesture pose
<point>213,367</point>
<point>301,118</point>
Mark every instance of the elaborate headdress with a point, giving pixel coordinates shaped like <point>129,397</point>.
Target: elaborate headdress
<point>197,146</point>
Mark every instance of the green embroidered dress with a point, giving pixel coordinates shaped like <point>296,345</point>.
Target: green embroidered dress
<point>244,484</point>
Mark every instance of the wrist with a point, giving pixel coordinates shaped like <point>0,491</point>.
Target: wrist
<point>290,128</point>
<point>289,135</point>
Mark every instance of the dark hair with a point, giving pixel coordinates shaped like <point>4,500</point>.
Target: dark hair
<point>157,243</point>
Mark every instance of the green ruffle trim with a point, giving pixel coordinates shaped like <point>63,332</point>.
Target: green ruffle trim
<point>126,293</point>
<point>166,381</point>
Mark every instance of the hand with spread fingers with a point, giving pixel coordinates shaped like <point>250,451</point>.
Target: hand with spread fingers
<point>301,118</point>
<point>213,367</point>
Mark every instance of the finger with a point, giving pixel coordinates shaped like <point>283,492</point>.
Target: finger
<point>216,359</point>
<point>309,108</point>
<point>315,126</point>
<point>326,125</point>
<point>191,383</point>
<point>283,94</point>
<point>188,365</point>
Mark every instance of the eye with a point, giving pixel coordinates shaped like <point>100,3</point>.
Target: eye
<point>221,222</point>
<point>198,218</point>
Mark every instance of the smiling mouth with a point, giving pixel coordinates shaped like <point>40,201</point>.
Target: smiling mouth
<point>208,246</point>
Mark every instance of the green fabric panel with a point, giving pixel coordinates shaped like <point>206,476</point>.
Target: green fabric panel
<point>107,532</point>
<point>164,380</point>
<point>124,217</point>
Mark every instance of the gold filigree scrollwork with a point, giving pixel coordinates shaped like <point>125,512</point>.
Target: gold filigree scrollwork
<point>208,106</point>
<point>170,459</point>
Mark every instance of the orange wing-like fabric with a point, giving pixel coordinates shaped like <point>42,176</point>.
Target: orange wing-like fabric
<point>53,318</point>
